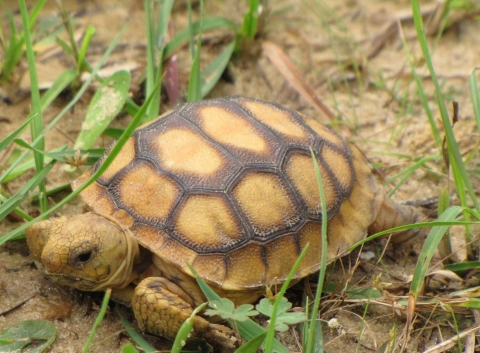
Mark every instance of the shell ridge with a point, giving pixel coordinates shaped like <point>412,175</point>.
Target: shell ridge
<point>298,198</point>
<point>162,171</point>
<point>273,234</point>
<point>338,185</point>
<point>172,232</point>
<point>217,145</point>
<point>221,280</point>
<point>264,127</point>
<point>338,188</point>
<point>346,148</point>
<point>113,190</point>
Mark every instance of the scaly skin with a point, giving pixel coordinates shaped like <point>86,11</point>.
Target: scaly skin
<point>92,252</point>
<point>160,308</point>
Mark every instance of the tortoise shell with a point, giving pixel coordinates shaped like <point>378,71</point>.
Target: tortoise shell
<point>228,185</point>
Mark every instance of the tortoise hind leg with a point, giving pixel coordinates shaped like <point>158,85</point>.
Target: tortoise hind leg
<point>161,307</point>
<point>391,214</point>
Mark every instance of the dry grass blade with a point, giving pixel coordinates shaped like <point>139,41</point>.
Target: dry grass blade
<point>294,77</point>
<point>412,302</point>
<point>442,347</point>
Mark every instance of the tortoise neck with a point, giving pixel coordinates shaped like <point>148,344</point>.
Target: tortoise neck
<point>123,274</point>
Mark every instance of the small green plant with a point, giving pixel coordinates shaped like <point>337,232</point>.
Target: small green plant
<point>19,337</point>
<point>226,309</point>
<point>284,317</point>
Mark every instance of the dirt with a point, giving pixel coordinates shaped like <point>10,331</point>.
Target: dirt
<point>356,67</point>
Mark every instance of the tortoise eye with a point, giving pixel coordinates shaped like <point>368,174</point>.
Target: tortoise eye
<point>82,259</point>
<point>85,256</point>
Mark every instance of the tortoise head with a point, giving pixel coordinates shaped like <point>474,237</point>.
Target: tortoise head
<point>89,252</point>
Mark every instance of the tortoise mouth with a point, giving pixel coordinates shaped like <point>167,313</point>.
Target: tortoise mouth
<point>83,284</point>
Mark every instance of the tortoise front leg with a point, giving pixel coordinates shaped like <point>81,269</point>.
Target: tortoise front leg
<point>161,307</point>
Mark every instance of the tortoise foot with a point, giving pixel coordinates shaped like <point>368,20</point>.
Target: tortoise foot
<point>161,307</point>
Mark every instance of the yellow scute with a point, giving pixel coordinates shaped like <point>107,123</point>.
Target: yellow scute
<point>148,193</point>
<point>183,150</point>
<point>281,255</point>
<point>245,268</point>
<point>231,129</point>
<point>264,199</point>
<point>208,222</point>
<point>340,167</point>
<point>323,131</point>
<point>126,155</point>
<point>301,171</point>
<point>211,267</point>
<point>276,119</point>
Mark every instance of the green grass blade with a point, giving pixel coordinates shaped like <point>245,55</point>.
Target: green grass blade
<point>62,82</point>
<point>98,321</point>
<point>155,43</point>
<point>204,25</point>
<point>9,139</point>
<point>144,345</point>
<point>452,145</point>
<point>53,191</point>
<point>191,35</point>
<point>250,20</point>
<point>129,348</point>
<point>438,223</point>
<point>214,71</point>
<point>195,82</point>
<point>35,13</point>
<point>89,32</point>
<point>475,94</point>
<point>152,111</point>
<point>269,340</point>
<point>462,267</point>
<point>18,210</point>
<point>315,337</point>
<point>113,132</point>
<point>65,156</point>
<point>64,45</point>
<point>23,193</point>
<point>405,174</point>
<point>163,21</point>
<point>472,303</point>
<point>185,330</point>
<point>23,167</point>
<point>37,121</point>
<point>14,49</point>
<point>423,95</point>
<point>428,249</point>
<point>252,345</point>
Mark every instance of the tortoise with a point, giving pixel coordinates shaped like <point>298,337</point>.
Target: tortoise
<point>227,185</point>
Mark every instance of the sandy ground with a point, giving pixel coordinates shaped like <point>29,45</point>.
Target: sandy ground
<point>353,59</point>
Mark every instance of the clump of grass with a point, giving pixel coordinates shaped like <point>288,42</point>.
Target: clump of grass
<point>13,46</point>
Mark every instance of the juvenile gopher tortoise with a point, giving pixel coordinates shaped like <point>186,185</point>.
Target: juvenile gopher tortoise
<point>226,185</point>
